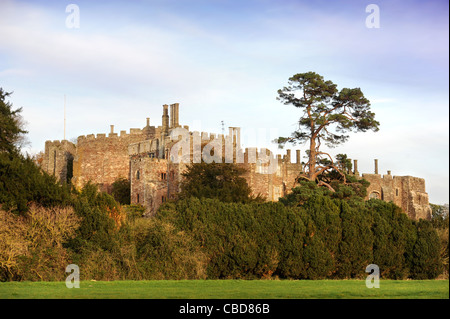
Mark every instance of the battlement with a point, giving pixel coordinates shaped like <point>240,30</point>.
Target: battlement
<point>195,142</point>
<point>57,143</point>
<point>103,136</point>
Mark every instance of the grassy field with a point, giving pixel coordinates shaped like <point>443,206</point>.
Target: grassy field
<point>228,289</point>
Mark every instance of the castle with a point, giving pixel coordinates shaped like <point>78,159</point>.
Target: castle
<point>153,159</point>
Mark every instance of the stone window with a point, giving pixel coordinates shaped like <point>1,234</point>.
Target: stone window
<point>137,198</point>
<point>396,192</point>
<point>163,176</point>
<point>138,175</point>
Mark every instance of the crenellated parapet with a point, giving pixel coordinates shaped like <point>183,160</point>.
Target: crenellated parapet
<point>103,136</point>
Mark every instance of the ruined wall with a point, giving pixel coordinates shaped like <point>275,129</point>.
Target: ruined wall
<point>406,192</point>
<point>58,159</point>
<point>271,182</point>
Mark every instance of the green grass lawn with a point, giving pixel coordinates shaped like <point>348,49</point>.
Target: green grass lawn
<point>228,289</point>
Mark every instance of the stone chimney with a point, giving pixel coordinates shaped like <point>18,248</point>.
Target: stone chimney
<point>165,119</point>
<point>174,113</point>
<point>355,167</point>
<point>376,166</point>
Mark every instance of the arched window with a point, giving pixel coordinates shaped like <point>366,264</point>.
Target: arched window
<point>138,174</point>
<point>374,194</point>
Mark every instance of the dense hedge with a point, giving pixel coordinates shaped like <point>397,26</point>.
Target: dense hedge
<point>324,238</point>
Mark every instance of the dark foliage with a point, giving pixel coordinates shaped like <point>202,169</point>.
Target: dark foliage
<point>223,181</point>
<point>22,182</point>
<point>121,190</point>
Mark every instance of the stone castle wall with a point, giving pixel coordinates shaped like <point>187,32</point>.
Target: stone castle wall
<point>407,192</point>
<point>58,159</point>
<point>144,157</point>
<point>154,180</point>
<point>102,159</point>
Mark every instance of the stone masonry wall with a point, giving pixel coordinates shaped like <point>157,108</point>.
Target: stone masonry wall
<point>406,192</point>
<point>58,159</point>
<point>103,159</point>
<point>153,181</point>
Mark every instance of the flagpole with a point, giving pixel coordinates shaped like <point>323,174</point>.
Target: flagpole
<point>64,116</point>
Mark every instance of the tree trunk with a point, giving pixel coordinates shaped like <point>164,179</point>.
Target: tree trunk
<point>312,158</point>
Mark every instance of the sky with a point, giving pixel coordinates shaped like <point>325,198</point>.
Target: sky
<point>224,61</point>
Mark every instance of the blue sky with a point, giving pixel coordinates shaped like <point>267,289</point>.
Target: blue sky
<point>225,61</point>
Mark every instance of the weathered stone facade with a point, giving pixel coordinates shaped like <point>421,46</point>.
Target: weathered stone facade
<point>102,159</point>
<point>408,192</point>
<point>154,158</point>
<point>58,159</point>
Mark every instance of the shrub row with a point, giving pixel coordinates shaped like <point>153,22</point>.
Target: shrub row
<point>324,238</point>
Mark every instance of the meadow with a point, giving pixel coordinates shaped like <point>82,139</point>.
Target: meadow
<point>228,289</point>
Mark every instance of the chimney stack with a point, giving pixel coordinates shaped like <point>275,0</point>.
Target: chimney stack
<point>174,113</point>
<point>288,156</point>
<point>165,119</point>
<point>355,167</point>
<point>376,166</point>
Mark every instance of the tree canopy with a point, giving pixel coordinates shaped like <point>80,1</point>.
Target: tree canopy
<point>11,130</point>
<point>328,116</point>
<point>223,181</point>
<point>21,181</point>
